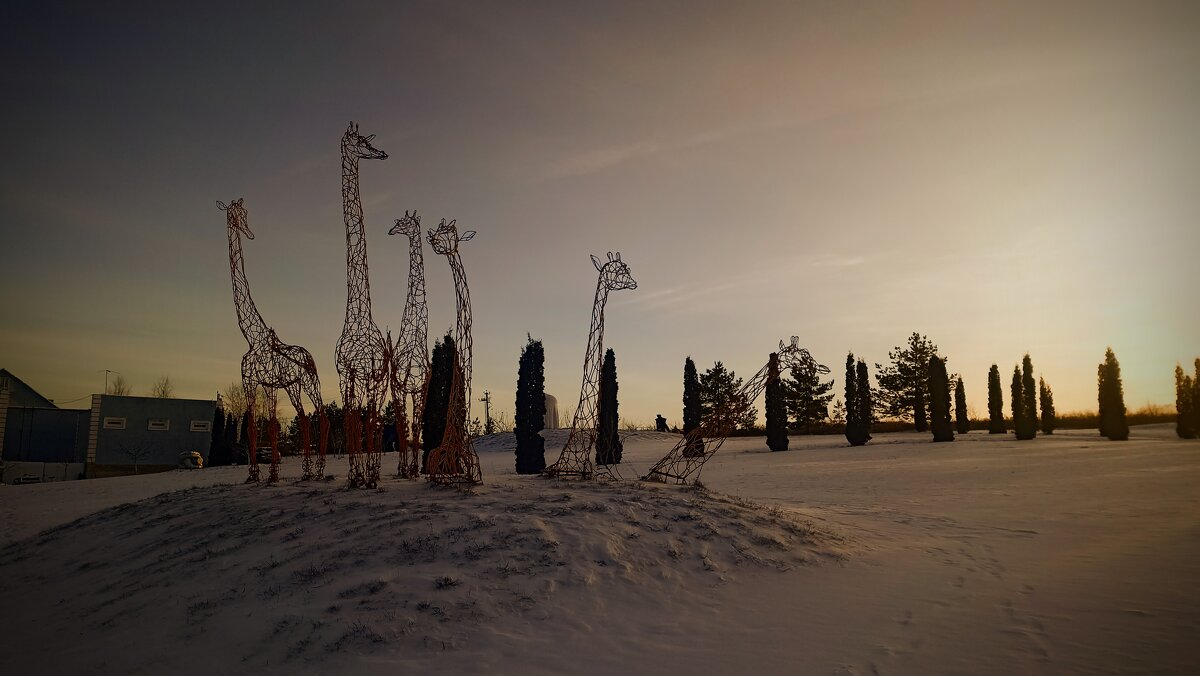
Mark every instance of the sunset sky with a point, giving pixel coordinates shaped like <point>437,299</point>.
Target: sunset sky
<point>1003,177</point>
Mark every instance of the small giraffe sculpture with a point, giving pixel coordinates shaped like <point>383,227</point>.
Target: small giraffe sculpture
<point>361,354</point>
<point>696,447</point>
<point>455,460</point>
<point>576,457</point>
<point>270,363</point>
<point>410,357</point>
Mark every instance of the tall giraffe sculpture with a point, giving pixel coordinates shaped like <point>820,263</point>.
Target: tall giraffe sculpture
<point>455,460</point>
<point>684,462</point>
<point>270,363</point>
<point>410,357</point>
<point>576,457</point>
<point>361,353</point>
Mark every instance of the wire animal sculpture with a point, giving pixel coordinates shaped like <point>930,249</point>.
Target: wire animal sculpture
<point>684,462</point>
<point>271,364</point>
<point>455,460</point>
<point>361,353</point>
<point>410,355</point>
<point>576,457</point>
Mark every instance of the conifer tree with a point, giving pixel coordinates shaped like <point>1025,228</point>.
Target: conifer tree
<point>231,432</point>
<point>939,400</point>
<point>721,388</point>
<point>776,405</point>
<point>1112,399</point>
<point>1046,402</point>
<point>437,401</point>
<point>215,446</point>
<point>995,402</point>
<point>1183,404</point>
<point>858,402</point>
<point>530,415</point>
<point>691,406</point>
<point>1029,409</point>
<point>807,399</point>
<point>962,419</point>
<point>1102,398</point>
<point>866,412</point>
<point>1195,399</point>
<point>902,385</point>
<point>1017,404</point>
<point>608,438</point>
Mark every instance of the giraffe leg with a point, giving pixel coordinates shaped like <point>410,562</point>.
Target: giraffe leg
<point>293,392</point>
<point>273,436</point>
<point>251,440</point>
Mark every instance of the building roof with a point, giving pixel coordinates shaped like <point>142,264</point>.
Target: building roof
<point>20,393</point>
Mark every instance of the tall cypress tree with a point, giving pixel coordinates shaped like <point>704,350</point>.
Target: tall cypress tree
<point>608,438</point>
<point>962,419</point>
<point>216,445</point>
<point>1102,398</point>
<point>1029,391</point>
<point>1112,399</point>
<point>865,411</point>
<point>776,404</point>
<point>995,402</point>
<point>231,432</point>
<point>1017,404</point>
<point>531,408</point>
<point>437,401</point>
<point>856,426</point>
<point>691,406</point>
<point>939,400</point>
<point>1046,402</point>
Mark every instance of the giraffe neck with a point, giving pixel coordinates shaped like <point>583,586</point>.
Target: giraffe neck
<point>249,320</point>
<point>462,329</point>
<point>589,392</point>
<point>358,286</point>
<point>416,314</point>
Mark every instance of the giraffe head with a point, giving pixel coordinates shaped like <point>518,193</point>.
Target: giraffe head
<point>409,226</point>
<point>445,238</point>
<point>360,146</point>
<point>236,217</point>
<point>615,273</point>
<point>792,357</point>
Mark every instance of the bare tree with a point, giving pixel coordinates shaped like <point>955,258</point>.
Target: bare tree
<point>233,399</point>
<point>135,453</point>
<point>119,386</point>
<point>163,388</point>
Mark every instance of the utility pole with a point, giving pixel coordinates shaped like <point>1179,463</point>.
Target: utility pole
<point>106,372</point>
<point>487,412</point>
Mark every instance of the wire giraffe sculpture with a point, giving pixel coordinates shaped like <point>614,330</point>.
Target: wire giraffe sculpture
<point>576,457</point>
<point>455,460</point>
<point>410,355</point>
<point>361,353</point>
<point>271,364</point>
<point>696,447</point>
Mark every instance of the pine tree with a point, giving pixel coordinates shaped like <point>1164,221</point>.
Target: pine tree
<point>776,405</point>
<point>995,402</point>
<point>962,419</point>
<point>902,385</point>
<point>437,401</point>
<point>608,438</point>
<point>531,408</point>
<point>1017,404</point>
<point>806,398</point>
<point>866,412</point>
<point>1046,402</point>
<point>720,388</point>
<point>1196,399</point>
<point>230,441</point>
<point>1029,391</point>
<point>216,445</point>
<point>691,406</point>
<point>1102,398</point>
<point>1112,398</point>
<point>939,400</point>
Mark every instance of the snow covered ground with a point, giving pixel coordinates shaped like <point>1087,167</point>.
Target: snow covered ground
<point>1068,554</point>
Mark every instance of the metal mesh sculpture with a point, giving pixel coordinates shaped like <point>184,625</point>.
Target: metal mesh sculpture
<point>410,356</point>
<point>270,363</point>
<point>361,353</point>
<point>683,464</point>
<point>576,457</point>
<point>455,460</point>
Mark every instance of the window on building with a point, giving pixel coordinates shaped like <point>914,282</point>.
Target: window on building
<point>201,426</point>
<point>159,425</point>
<point>114,423</point>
